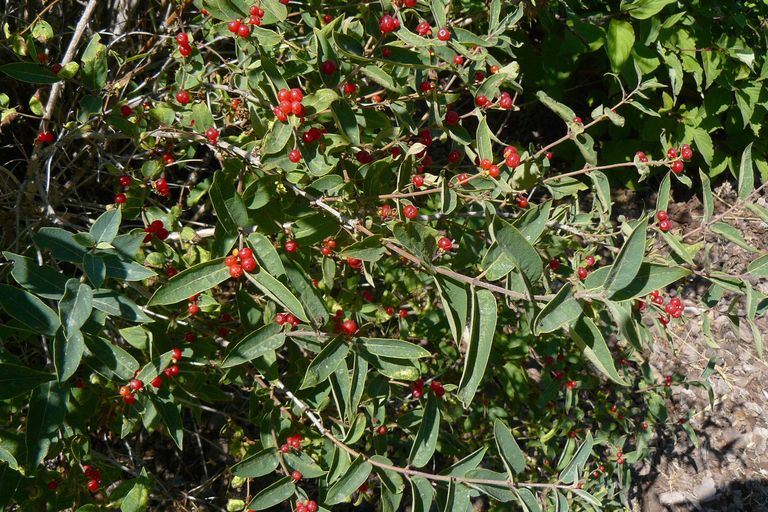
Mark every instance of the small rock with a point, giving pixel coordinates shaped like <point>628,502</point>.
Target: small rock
<point>706,490</point>
<point>672,498</point>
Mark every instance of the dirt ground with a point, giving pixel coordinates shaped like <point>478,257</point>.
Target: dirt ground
<point>728,470</point>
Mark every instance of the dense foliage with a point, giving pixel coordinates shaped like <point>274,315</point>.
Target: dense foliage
<point>294,255</point>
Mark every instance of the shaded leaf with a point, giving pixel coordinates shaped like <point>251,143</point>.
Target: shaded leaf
<point>510,452</point>
<point>426,438</point>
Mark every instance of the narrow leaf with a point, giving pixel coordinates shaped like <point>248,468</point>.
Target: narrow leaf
<point>596,350</point>
<point>29,310</point>
<point>479,348</point>
<point>273,495</point>
<point>627,263</point>
<point>259,464</point>
<point>397,349</point>
<point>561,310</point>
<point>16,380</point>
<point>191,281</point>
<point>352,479</point>
<point>326,362</point>
<point>426,438</point>
<point>511,454</point>
<point>746,173</point>
<point>254,344</point>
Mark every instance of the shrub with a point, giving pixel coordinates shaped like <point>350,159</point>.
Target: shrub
<point>336,250</point>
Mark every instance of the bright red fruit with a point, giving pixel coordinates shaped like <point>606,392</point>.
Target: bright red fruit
<point>136,384</point>
<point>296,476</point>
<point>678,166</point>
<point>443,34</point>
<point>349,327</point>
<point>410,212</point>
<point>387,24</point>
<point>665,225</point>
<point>157,382</point>
<point>294,156</point>
<point>291,246</point>
<point>248,264</point>
<point>193,309</point>
<point>582,273</point>
<point>349,88</point>
<point>182,38</point>
<point>437,388</point>
<point>93,485</point>
<point>481,101</point>
<point>522,202</point>
<point>120,198</point>
<point>233,26</point>
<point>182,97</point>
<point>662,215</point>
<point>444,243</point>
<point>236,271</point>
<point>212,134</point>
<point>176,353</point>
<point>590,261</point>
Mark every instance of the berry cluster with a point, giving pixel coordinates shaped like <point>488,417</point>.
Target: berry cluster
<point>417,388</point>
<point>161,186</point>
<point>329,244</point>
<point>125,182</point>
<point>239,261</point>
<point>664,223</point>
<point>94,478</point>
<point>155,228</point>
<point>307,506</point>
<point>685,153</point>
<point>239,28</point>
<point>292,443</point>
<point>388,23</point>
<point>289,103</point>
<point>505,101</point>
<point>183,40</point>
<point>256,13</point>
<point>287,318</point>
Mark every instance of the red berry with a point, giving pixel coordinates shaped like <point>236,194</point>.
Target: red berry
<point>512,160</point>
<point>577,120</point>
<point>443,34</point>
<point>173,370</point>
<point>454,157</point>
<point>291,246</point>
<point>193,309</point>
<point>126,111</point>
<point>458,60</point>
<point>549,155</point>
<point>230,260</point>
<point>506,103</point>
<point>311,506</point>
<point>481,101</point>
<point>236,271</point>
<point>296,476</point>
<point>212,134</point>
<point>665,225</point>
<point>327,18</point>
<point>451,117</point>
<point>185,50</point>
<point>234,26</point>
<point>387,24</point>
<point>45,136</point>
<point>364,157</point>
<point>418,180</point>
<point>120,198</point>
<point>403,313</point>
<point>254,20</point>
<point>328,67</point>
<point>326,251</point>
<point>124,180</point>
<point>294,156</point>
<point>382,430</point>
<point>56,68</point>
<point>410,212</point>
<point>444,243</point>
<point>129,399</point>
<point>417,393</point>
<point>571,384</point>
<point>677,166</point>
<point>479,76</point>
<point>182,97</point>
<point>349,327</point>
<point>554,264</point>
<point>582,273</point>
<point>157,382</point>
<point>462,178</point>
<point>354,263</point>
<point>248,264</point>
<point>590,261</point>
<point>662,215</point>
<point>349,88</point>
<point>641,157</point>
<point>93,485</point>
<point>296,94</point>
<point>437,388</point>
<point>53,485</point>
<point>244,30</point>
<point>671,153</point>
<point>522,202</point>
<point>297,109</point>
<point>136,384</point>
<point>176,353</point>
<point>124,390</point>
<point>182,38</point>
<point>686,152</point>
<point>494,171</point>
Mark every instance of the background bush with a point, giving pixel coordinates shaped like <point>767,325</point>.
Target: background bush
<point>487,347</point>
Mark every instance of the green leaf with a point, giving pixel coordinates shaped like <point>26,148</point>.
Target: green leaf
<point>259,464</point>
<point>484,146</point>
<point>169,412</point>
<point>254,344</point>
<point>746,173</point>
<point>627,263</point>
<point>106,226</point>
<point>500,491</point>
<point>121,363</point>
<point>29,72</point>
<point>346,120</point>
<point>422,494</point>
<point>75,306</point>
<point>47,407</point>
<point>565,112</point>
<point>574,468</point>
<point>561,310</point>
<point>590,339</point>
<point>112,303</point>
<point>229,206</point>
<point>137,498</point>
<point>367,249</point>
<point>304,464</point>
<point>619,40</point>
<point>644,9</point>
<point>396,349</point>
<point>308,294</point>
<point>44,281</point>
<point>759,266</point>
<point>662,198</point>
<point>201,115</point>
<point>8,458</point>
<point>61,243</point>
<point>528,500</point>
<point>350,481</point>
<point>515,246</point>
<point>29,310</point>
<point>94,70</point>
<point>391,480</point>
<point>416,239</point>
<point>265,254</point>
<point>326,362</point>
<point>320,99</point>
<point>16,380</point>
<point>426,438</point>
<point>379,76</point>
<point>273,495</point>
<point>650,277</point>
<point>277,138</point>
<point>731,234</point>
<point>191,281</point>
<point>454,296</point>
<point>95,268</point>
<point>68,351</point>
<point>278,292</point>
<point>480,343</point>
<point>511,454</point>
